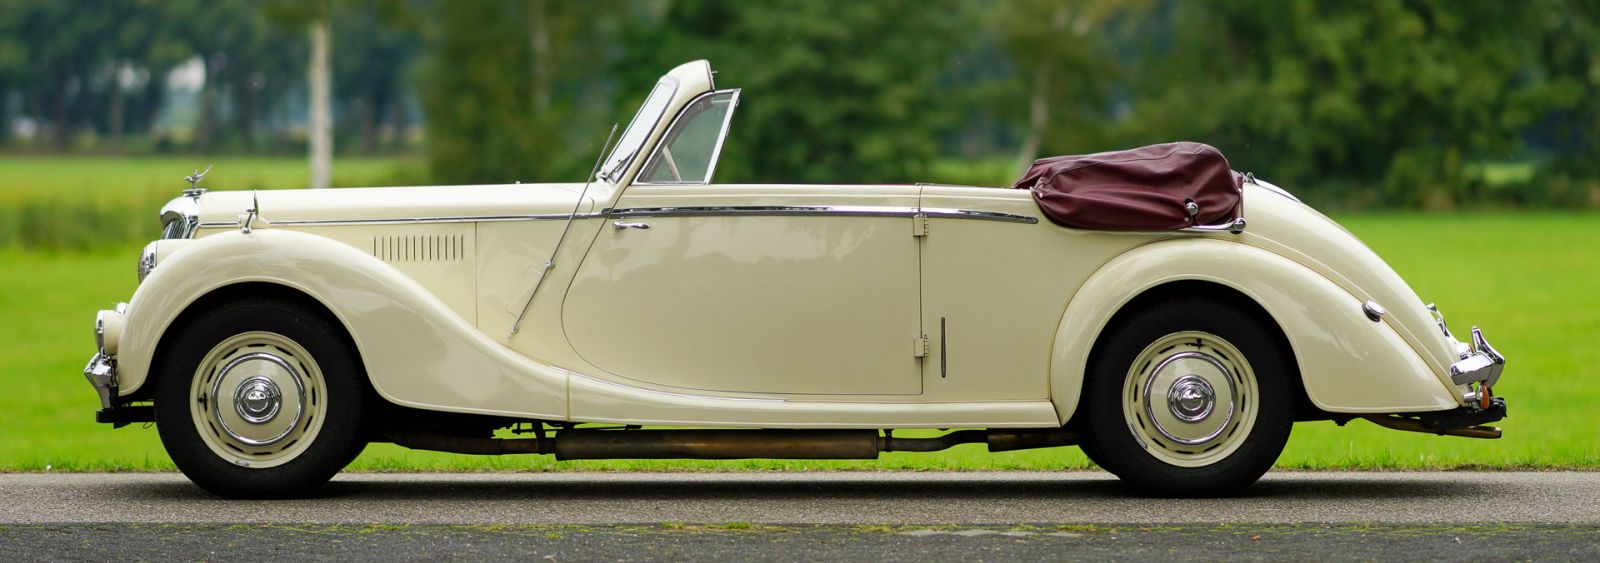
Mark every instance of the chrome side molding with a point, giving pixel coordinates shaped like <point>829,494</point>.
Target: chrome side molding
<point>816,210</point>
<point>713,211</point>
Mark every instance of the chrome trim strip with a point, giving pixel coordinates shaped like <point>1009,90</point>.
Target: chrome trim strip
<point>816,210</point>
<point>764,211</point>
<point>941,213</point>
<point>1235,226</point>
<point>411,220</point>
<point>702,211</point>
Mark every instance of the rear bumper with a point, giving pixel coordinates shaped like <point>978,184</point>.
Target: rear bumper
<point>1475,375</point>
<point>1480,364</point>
<point>1467,422</point>
<point>1464,417</point>
<point>1478,369</point>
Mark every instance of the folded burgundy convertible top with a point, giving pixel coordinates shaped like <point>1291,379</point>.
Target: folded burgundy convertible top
<point>1143,189</point>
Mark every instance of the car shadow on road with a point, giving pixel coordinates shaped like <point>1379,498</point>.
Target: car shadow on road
<point>797,486</point>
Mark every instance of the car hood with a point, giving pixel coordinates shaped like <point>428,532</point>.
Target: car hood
<point>289,207</point>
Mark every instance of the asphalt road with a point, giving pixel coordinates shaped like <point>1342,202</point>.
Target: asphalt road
<point>808,516</point>
<point>813,498</point>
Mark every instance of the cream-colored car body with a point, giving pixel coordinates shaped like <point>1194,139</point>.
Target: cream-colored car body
<point>780,306</point>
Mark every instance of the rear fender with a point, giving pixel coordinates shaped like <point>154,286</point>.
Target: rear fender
<point>1347,362</point>
<point>416,350</point>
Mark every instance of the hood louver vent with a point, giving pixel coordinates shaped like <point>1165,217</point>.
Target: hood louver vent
<point>420,248</point>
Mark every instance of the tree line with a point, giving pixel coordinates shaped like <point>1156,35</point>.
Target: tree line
<point>1417,103</point>
<point>99,69</point>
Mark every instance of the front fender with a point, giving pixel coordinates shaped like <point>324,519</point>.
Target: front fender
<point>1347,362</point>
<point>417,352</point>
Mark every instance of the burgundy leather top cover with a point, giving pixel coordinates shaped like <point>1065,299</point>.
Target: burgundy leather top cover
<point>1142,189</point>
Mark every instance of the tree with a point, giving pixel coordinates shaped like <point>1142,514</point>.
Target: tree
<point>1402,93</point>
<point>375,46</point>
<point>497,114</point>
<point>321,123</point>
<point>60,47</point>
<point>1569,56</point>
<point>1067,66</point>
<point>142,47</point>
<point>316,17</point>
<point>835,91</point>
<point>475,94</point>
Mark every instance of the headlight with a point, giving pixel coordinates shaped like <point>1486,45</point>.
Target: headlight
<point>147,260</point>
<point>108,329</point>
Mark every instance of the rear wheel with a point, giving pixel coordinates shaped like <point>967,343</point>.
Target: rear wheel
<point>1188,398</point>
<point>260,398</point>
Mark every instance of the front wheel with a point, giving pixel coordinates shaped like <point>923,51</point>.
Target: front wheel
<point>260,398</point>
<point>1188,398</point>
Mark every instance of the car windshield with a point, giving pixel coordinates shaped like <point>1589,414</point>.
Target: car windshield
<point>639,129</point>
<point>688,154</point>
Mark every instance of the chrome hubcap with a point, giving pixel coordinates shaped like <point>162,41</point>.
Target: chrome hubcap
<point>257,400</point>
<point>1189,380</point>
<point>1191,398</point>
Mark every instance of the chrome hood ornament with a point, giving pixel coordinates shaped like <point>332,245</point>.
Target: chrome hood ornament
<point>195,191</point>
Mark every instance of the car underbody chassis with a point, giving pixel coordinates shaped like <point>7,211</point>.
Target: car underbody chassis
<point>615,443</point>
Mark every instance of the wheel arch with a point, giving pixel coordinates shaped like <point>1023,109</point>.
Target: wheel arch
<point>235,292</point>
<point>1346,363</point>
<point>416,351</point>
<point>1213,291</point>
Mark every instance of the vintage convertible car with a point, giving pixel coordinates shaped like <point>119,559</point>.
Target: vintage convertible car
<point>651,313</point>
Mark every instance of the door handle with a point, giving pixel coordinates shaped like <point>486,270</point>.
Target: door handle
<point>620,225</point>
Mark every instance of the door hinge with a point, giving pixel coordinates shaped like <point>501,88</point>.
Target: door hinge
<point>919,346</point>
<point>919,225</point>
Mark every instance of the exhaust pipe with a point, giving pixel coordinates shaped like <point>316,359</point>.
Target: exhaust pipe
<point>1414,425</point>
<point>730,444</point>
<point>717,444</point>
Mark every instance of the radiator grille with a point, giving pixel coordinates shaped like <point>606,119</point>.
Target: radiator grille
<point>420,248</point>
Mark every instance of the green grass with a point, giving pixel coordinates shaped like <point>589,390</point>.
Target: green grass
<point>1532,281</point>
<point>64,202</point>
<point>71,176</point>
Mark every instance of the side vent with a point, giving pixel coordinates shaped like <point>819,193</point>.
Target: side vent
<point>420,248</point>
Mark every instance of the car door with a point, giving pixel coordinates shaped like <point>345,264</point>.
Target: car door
<point>780,289</point>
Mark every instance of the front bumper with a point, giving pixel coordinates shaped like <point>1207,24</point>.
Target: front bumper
<point>102,371</point>
<point>102,375</point>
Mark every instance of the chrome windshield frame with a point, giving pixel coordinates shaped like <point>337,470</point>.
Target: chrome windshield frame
<point>624,155</point>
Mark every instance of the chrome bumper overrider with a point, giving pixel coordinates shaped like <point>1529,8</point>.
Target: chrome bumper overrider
<point>1481,364</point>
<point>102,374</point>
<point>1479,367</point>
<point>102,371</point>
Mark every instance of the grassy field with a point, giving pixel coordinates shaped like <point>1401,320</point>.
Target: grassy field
<point>1532,280</point>
<point>71,176</point>
<point>80,203</point>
